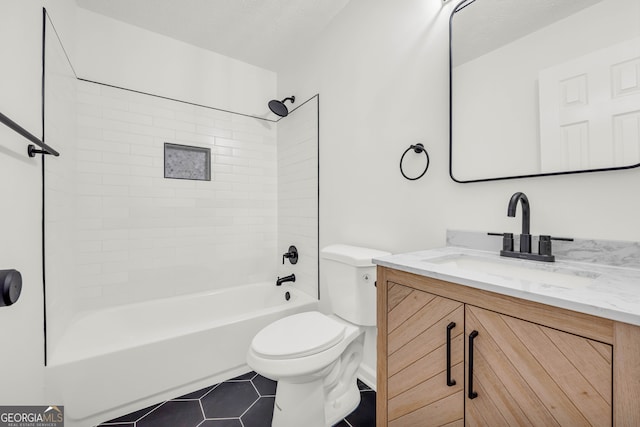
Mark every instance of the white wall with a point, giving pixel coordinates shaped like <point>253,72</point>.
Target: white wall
<point>21,330</point>
<point>381,69</point>
<point>120,54</point>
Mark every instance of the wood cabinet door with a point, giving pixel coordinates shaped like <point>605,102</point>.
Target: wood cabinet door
<point>419,325</point>
<point>525,374</point>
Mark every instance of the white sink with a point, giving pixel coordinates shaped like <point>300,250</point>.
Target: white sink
<point>532,271</point>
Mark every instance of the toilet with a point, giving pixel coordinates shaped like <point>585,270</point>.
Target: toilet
<point>314,357</point>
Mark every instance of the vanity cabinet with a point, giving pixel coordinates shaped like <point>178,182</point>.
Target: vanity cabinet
<point>527,374</point>
<point>531,364</point>
<point>418,324</point>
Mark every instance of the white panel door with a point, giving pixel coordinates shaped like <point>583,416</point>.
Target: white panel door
<point>590,110</point>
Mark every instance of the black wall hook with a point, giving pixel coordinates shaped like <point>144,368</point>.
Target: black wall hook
<point>417,148</point>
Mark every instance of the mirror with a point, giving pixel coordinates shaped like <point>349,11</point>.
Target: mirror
<point>543,87</point>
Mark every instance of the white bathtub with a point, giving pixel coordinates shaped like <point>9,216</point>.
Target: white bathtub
<point>114,361</point>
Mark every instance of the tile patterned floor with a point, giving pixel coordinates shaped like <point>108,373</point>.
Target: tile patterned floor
<point>245,401</point>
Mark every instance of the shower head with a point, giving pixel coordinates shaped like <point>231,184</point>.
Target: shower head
<point>279,108</point>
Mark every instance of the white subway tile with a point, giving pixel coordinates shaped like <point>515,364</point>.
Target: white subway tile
<point>128,137</point>
<point>89,132</point>
<point>153,110</point>
<point>114,278</point>
<point>87,87</point>
<point>88,224</point>
<point>176,125</point>
<point>90,144</point>
<point>98,257</point>
<point>127,117</point>
<point>84,109</point>
<point>128,159</point>
<point>173,183</point>
<point>84,293</point>
<point>213,131</point>
<point>155,151</point>
<point>152,192</point>
<point>192,138</point>
<point>126,180</point>
<point>88,246</point>
<point>148,171</point>
<point>173,202</point>
<point>113,93</point>
<point>153,130</point>
<point>88,270</point>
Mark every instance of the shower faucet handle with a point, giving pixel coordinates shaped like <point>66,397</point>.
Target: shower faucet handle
<point>292,255</point>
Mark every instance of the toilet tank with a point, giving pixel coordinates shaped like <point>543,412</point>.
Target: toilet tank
<point>350,277</point>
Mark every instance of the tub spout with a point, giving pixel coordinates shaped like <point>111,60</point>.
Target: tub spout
<point>281,280</point>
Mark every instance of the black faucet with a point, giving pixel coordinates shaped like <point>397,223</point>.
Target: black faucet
<point>281,280</point>
<point>525,237</point>
<point>544,243</point>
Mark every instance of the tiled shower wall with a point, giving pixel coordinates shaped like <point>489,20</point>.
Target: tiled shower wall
<point>298,193</point>
<point>139,236</point>
<point>142,236</point>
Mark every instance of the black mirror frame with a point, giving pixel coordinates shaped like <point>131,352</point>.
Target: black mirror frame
<point>461,5</point>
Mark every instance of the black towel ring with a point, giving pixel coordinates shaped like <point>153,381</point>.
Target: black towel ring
<point>418,148</point>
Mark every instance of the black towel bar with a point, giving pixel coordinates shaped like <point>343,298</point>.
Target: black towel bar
<point>31,150</point>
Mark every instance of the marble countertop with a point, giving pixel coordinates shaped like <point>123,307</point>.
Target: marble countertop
<point>605,291</point>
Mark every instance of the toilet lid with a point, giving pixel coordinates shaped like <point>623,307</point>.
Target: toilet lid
<point>299,335</point>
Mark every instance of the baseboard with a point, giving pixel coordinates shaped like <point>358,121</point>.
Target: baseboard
<point>367,375</point>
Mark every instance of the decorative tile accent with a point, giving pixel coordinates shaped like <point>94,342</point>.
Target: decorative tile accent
<point>244,401</point>
<point>187,162</point>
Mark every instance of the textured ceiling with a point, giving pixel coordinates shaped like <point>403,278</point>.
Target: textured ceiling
<point>260,32</point>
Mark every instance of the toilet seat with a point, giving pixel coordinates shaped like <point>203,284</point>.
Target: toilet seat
<point>299,335</point>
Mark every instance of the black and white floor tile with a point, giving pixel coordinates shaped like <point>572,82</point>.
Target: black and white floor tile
<point>244,401</point>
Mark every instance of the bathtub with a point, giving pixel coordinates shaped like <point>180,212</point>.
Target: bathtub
<point>114,361</point>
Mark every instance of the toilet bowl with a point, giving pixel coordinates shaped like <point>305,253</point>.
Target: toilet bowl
<point>314,357</point>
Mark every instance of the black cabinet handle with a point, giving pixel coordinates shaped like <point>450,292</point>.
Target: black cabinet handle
<point>450,382</point>
<point>472,394</point>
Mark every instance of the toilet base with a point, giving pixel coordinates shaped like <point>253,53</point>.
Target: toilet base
<point>343,406</point>
<point>299,405</point>
<point>321,399</point>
